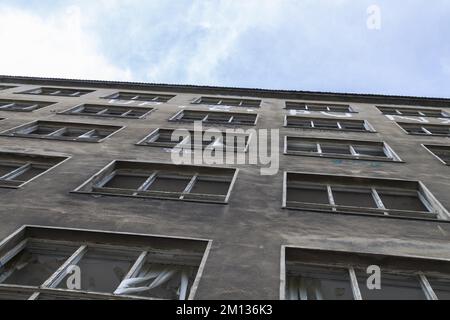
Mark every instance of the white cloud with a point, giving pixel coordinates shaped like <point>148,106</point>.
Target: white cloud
<point>220,25</point>
<point>53,46</point>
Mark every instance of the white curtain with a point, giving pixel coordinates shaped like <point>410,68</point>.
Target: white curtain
<point>159,275</point>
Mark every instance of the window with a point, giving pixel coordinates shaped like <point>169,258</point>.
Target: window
<point>22,106</point>
<point>360,195</point>
<point>347,149</point>
<point>186,139</point>
<point>138,96</point>
<point>425,129</point>
<point>162,181</point>
<point>37,261</point>
<point>109,111</point>
<point>67,131</point>
<point>61,92</point>
<point>440,152</point>
<point>224,118</point>
<point>316,107</point>
<point>217,101</point>
<point>16,169</point>
<point>414,112</point>
<point>310,274</point>
<point>327,124</point>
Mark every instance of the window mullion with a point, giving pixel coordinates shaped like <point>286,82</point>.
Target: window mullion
<point>378,201</point>
<point>137,266</point>
<point>6,106</point>
<point>59,274</point>
<point>331,197</point>
<point>87,134</point>
<point>126,113</point>
<point>57,132</point>
<point>426,131</point>
<point>426,287</point>
<point>102,112</point>
<point>31,107</point>
<point>319,149</point>
<point>34,296</point>
<point>147,183</point>
<point>354,283</point>
<point>189,187</point>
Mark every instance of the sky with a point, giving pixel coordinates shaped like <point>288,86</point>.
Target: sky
<point>401,48</point>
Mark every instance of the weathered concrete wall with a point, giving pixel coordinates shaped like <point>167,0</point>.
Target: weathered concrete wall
<point>248,233</point>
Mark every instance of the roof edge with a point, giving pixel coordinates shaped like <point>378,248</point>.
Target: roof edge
<point>252,92</point>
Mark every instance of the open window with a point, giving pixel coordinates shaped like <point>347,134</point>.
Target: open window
<point>328,124</point>
<point>425,129</point>
<point>166,138</point>
<point>140,96</point>
<point>341,149</point>
<point>360,195</point>
<point>67,131</point>
<point>22,105</point>
<point>17,169</point>
<point>414,112</point>
<point>318,107</point>
<point>311,274</point>
<point>107,111</point>
<point>40,263</point>
<point>59,92</point>
<point>213,117</point>
<point>218,101</point>
<point>162,181</point>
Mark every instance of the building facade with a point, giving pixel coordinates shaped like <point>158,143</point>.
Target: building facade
<point>89,188</point>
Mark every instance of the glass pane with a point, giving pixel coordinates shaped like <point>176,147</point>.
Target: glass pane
<point>393,287</point>
<point>306,194</point>
<point>30,174</point>
<point>203,186</point>
<point>372,151</point>
<point>193,116</point>
<point>41,130</point>
<point>122,181</point>
<point>354,198</point>
<point>90,110</point>
<point>302,146</point>
<point>402,202</point>
<point>441,287</point>
<point>102,271</point>
<point>336,149</point>
<point>325,125</point>
<point>353,126</point>
<point>443,154</point>
<point>33,266</point>
<point>6,168</point>
<point>317,108</point>
<point>439,130</point>
<point>319,283</point>
<point>299,123</point>
<point>169,184</point>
